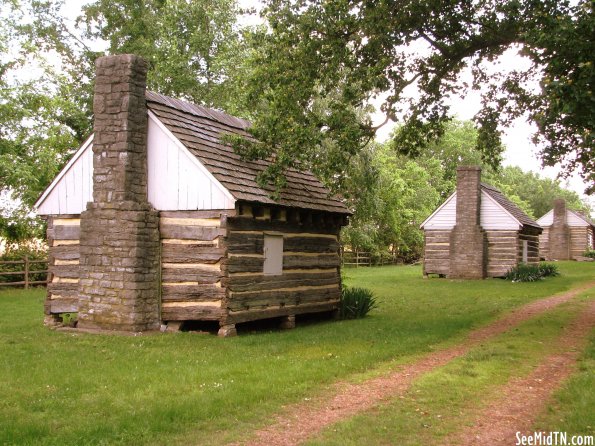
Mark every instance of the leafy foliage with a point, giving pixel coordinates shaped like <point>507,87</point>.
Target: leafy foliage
<point>531,273</point>
<point>344,53</point>
<point>356,303</point>
<point>590,253</point>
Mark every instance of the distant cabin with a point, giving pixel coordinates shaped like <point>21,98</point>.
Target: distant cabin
<point>477,232</point>
<point>155,221</point>
<point>566,234</point>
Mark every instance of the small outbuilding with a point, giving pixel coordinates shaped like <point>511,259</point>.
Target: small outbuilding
<point>477,232</point>
<point>566,234</point>
<point>155,220</point>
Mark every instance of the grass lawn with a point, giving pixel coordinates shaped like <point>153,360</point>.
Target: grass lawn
<point>65,388</point>
<point>448,398</point>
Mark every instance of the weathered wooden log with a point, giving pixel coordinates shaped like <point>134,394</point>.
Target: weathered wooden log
<point>245,316</point>
<point>190,232</point>
<point>262,283</point>
<point>195,292</point>
<point>241,264</point>
<point>173,312</point>
<point>293,260</point>
<point>250,224</point>
<point>263,299</point>
<point>63,304</point>
<point>66,252</point>
<point>191,254</point>
<point>65,232</point>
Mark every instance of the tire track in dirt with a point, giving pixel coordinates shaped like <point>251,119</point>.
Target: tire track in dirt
<point>522,399</point>
<point>299,422</point>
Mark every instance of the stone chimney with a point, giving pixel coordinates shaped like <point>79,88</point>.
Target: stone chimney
<point>468,243</point>
<point>119,242</point>
<point>559,233</point>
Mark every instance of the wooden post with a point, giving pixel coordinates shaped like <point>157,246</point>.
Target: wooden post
<point>26,272</point>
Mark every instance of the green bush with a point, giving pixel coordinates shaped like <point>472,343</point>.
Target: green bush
<point>590,253</point>
<point>531,273</point>
<point>549,270</point>
<point>356,303</point>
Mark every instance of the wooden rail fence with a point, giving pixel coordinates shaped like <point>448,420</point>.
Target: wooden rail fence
<point>29,269</point>
<point>361,258</point>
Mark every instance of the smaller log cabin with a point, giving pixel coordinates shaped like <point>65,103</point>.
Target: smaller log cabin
<point>477,232</point>
<point>156,221</point>
<point>566,234</point>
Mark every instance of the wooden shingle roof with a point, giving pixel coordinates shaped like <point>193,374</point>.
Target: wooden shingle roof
<point>509,206</point>
<point>200,130</point>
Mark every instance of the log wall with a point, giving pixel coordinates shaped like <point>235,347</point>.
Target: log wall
<point>192,251</point>
<point>63,234</point>
<point>544,244</point>
<point>533,240</point>
<point>310,280</point>
<point>503,252</point>
<point>437,252</point>
<point>579,240</point>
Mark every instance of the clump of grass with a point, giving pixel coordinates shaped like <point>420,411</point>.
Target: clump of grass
<point>531,273</point>
<point>356,303</point>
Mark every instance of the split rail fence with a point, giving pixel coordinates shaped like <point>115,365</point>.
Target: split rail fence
<point>26,270</point>
<point>361,258</point>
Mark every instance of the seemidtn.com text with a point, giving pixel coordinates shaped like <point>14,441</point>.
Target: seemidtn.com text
<point>553,439</point>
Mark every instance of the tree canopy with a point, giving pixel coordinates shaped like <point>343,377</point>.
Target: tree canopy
<point>345,53</point>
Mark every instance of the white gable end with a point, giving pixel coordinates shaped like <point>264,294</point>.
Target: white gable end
<point>572,219</point>
<point>72,188</point>
<point>492,215</point>
<point>547,219</point>
<point>176,179</point>
<point>444,217</point>
<point>575,220</point>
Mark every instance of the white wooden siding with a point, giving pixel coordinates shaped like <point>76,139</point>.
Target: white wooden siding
<point>572,219</point>
<point>72,189</point>
<point>444,217</point>
<point>176,179</point>
<point>492,215</point>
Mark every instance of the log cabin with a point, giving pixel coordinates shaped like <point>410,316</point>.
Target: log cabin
<point>567,234</point>
<point>477,232</point>
<point>156,221</point>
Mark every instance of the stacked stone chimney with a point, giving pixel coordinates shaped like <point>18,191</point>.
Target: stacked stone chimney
<point>468,243</point>
<point>559,233</point>
<point>119,244</point>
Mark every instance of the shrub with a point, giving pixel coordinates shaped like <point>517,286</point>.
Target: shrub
<point>590,253</point>
<point>356,303</point>
<point>531,273</point>
<point>549,269</point>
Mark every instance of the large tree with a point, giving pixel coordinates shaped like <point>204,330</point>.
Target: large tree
<point>345,53</point>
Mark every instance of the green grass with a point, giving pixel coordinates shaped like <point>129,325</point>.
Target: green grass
<point>573,408</point>
<point>447,399</point>
<point>66,388</point>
